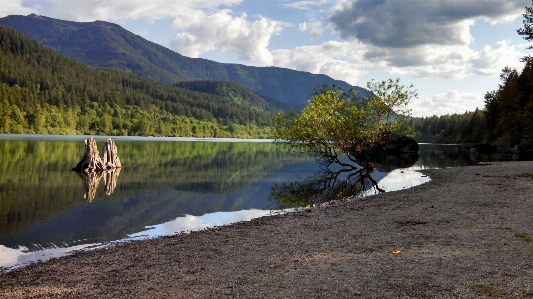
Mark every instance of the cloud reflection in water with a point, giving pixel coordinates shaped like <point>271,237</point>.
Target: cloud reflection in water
<point>17,257</point>
<point>192,223</point>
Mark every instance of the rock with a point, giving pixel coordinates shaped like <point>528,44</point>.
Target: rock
<point>401,144</point>
<point>509,154</point>
<point>387,162</point>
<point>400,152</point>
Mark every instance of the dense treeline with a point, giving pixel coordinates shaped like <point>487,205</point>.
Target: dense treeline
<point>42,91</point>
<point>509,110</point>
<point>456,128</point>
<point>506,121</point>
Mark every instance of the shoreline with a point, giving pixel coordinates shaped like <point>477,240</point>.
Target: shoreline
<point>461,235</point>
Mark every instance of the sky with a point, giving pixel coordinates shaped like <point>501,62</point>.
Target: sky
<point>452,51</point>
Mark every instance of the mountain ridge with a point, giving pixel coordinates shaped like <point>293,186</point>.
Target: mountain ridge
<point>105,44</point>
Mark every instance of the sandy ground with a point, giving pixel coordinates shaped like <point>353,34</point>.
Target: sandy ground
<point>466,234</point>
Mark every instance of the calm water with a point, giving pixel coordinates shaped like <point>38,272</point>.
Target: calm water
<point>166,186</point>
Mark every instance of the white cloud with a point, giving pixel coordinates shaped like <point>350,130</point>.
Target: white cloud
<point>307,5</point>
<point>491,60</point>
<point>315,28</point>
<point>449,61</point>
<point>427,38</point>
<point>90,10</point>
<point>339,60</point>
<point>13,7</point>
<point>349,61</point>
<point>447,103</point>
<point>204,32</point>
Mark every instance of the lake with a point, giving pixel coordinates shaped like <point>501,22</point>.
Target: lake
<point>166,186</point>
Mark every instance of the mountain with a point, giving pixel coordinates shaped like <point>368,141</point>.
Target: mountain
<point>104,44</point>
<point>236,92</point>
<point>42,91</point>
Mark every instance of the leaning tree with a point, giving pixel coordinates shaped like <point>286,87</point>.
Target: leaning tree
<point>336,123</point>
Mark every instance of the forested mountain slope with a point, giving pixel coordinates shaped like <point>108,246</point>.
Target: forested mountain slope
<point>42,91</point>
<point>236,92</point>
<point>105,44</point>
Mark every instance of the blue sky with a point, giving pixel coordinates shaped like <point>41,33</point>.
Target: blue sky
<point>451,51</point>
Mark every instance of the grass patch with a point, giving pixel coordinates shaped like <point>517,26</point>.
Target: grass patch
<point>486,290</point>
<point>529,240</point>
<point>525,175</point>
<point>524,237</point>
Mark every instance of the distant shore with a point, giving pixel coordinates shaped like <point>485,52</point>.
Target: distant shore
<point>466,234</point>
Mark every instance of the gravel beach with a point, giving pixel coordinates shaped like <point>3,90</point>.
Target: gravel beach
<point>466,234</point>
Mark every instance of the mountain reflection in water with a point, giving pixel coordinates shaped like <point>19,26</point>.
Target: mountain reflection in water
<point>166,186</point>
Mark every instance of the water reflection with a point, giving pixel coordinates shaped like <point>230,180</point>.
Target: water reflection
<point>192,223</point>
<point>387,173</point>
<point>42,210</point>
<point>92,180</point>
<point>10,257</point>
<point>450,155</point>
<point>22,256</point>
<point>322,187</point>
<point>168,186</point>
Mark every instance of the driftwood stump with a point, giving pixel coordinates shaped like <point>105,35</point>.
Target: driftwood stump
<point>93,167</point>
<point>92,162</point>
<point>110,158</point>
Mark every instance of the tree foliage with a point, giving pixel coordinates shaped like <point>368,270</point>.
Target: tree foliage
<point>44,92</point>
<point>336,123</point>
<point>468,127</point>
<point>509,110</point>
<point>527,30</point>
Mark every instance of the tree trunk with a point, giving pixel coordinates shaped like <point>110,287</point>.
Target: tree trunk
<point>91,160</point>
<point>110,158</point>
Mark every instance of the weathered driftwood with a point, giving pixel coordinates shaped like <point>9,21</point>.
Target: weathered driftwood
<point>110,159</point>
<point>91,160</point>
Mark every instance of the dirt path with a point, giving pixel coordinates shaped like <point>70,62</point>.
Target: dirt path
<point>466,234</point>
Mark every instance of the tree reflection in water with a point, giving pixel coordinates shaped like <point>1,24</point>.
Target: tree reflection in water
<point>338,184</point>
<point>324,186</point>
<point>92,180</point>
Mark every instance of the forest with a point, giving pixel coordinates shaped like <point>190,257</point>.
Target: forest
<point>505,121</point>
<point>44,92</point>
<point>468,127</point>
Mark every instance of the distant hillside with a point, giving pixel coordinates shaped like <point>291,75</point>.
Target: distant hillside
<point>42,91</point>
<point>236,92</point>
<point>104,44</point>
